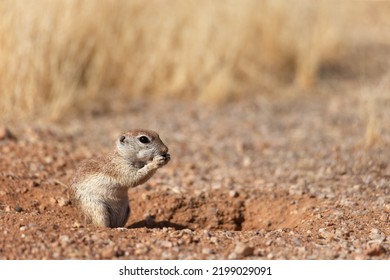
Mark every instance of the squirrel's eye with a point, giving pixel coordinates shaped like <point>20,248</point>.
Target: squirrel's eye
<point>144,140</point>
<point>122,139</point>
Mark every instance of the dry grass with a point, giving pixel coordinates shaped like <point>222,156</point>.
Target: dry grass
<point>373,101</point>
<point>55,55</point>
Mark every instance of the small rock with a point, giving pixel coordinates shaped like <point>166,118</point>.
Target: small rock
<point>33,184</point>
<point>145,196</point>
<point>52,201</point>
<point>375,250</point>
<point>384,217</point>
<point>119,253</point>
<point>296,241</point>
<point>140,249</point>
<point>188,231</point>
<point>216,185</point>
<point>18,209</point>
<point>207,251</point>
<point>42,208</point>
<point>243,250</point>
<point>176,190</point>
<point>214,240</point>
<point>94,237</point>
<point>64,240</point>
<point>48,160</point>
<point>246,162</point>
<point>270,256</point>
<point>22,228</point>
<point>62,201</point>
<point>164,229</point>
<point>166,244</point>
<point>323,233</point>
<point>108,253</point>
<point>77,225</point>
<point>166,255</point>
<point>376,234</point>
<point>232,256</point>
<point>233,193</point>
<point>356,188</point>
<point>295,190</point>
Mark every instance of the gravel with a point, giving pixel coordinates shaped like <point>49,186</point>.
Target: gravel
<point>255,179</point>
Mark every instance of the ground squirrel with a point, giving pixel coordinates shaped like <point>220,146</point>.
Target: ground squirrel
<point>101,185</point>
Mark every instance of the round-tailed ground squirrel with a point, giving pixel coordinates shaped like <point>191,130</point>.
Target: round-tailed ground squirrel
<point>101,185</point>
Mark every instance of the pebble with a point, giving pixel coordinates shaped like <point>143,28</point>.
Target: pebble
<point>64,240</point>
<point>22,228</point>
<point>246,162</point>
<point>356,188</point>
<point>18,209</point>
<point>384,217</point>
<point>119,252</point>
<point>243,250</point>
<point>207,251</point>
<point>164,230</point>
<point>295,190</point>
<point>141,249</point>
<point>233,256</point>
<point>214,240</point>
<point>76,225</point>
<point>188,231</point>
<point>296,241</point>
<point>323,233</point>
<point>376,234</point>
<point>375,250</point>
<point>33,184</point>
<point>52,200</point>
<point>108,252</point>
<point>62,201</point>
<point>42,208</point>
<point>166,244</point>
<point>233,193</point>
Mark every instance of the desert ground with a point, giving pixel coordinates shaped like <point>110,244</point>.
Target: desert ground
<point>275,114</point>
<point>259,178</point>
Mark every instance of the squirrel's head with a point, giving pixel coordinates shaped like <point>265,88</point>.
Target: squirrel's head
<point>140,145</point>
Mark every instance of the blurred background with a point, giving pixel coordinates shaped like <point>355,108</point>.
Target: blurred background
<point>59,57</point>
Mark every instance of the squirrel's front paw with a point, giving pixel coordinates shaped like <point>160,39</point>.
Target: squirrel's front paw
<point>161,160</point>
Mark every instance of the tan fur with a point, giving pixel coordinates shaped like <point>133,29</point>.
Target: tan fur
<point>101,184</point>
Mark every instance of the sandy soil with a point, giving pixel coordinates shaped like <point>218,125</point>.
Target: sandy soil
<point>266,178</point>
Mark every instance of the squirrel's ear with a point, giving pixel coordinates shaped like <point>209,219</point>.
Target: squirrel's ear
<point>122,139</point>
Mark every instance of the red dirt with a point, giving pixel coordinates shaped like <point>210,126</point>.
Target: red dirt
<point>270,178</point>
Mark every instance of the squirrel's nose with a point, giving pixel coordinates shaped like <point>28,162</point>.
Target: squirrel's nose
<point>164,151</point>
